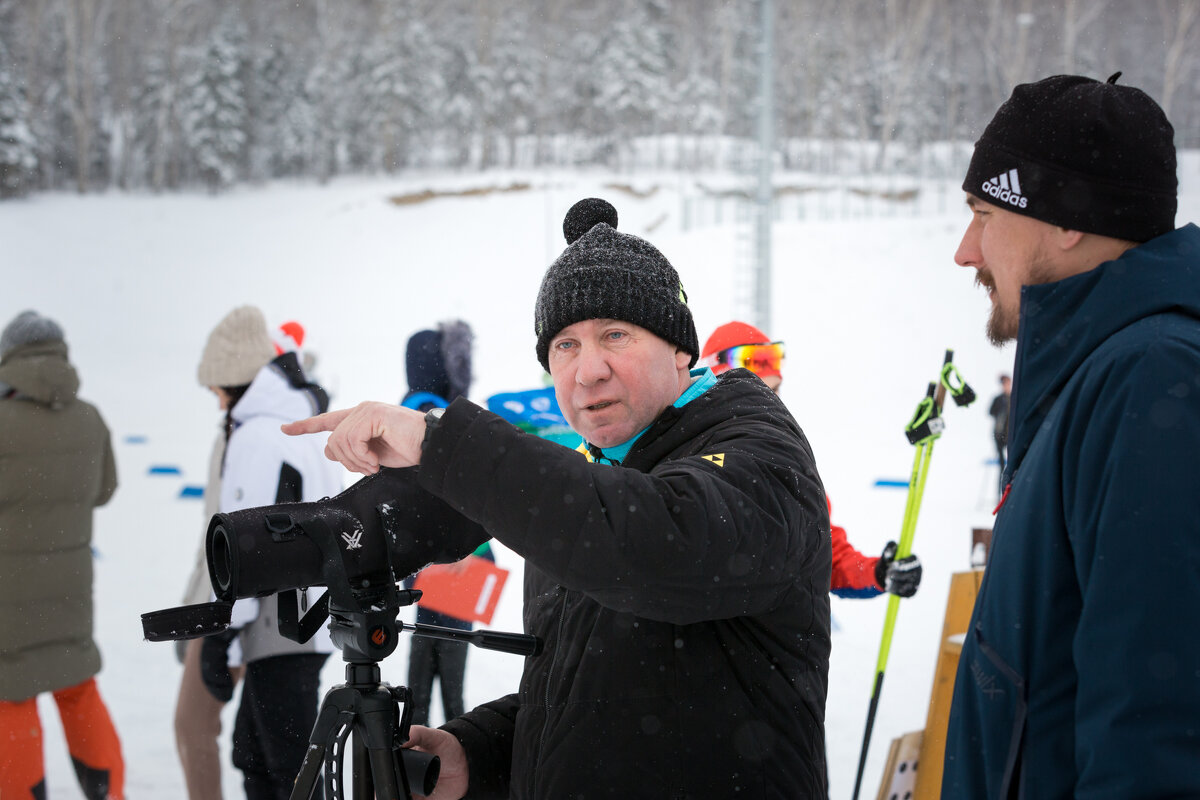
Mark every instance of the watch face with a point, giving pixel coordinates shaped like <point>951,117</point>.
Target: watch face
<point>435,413</point>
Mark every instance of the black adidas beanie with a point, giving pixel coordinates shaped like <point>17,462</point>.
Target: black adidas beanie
<point>608,275</point>
<point>1074,152</point>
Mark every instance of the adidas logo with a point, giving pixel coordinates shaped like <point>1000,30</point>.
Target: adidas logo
<point>1006,188</point>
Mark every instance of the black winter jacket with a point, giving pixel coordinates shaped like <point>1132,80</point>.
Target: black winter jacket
<point>683,602</point>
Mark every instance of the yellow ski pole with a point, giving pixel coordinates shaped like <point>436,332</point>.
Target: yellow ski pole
<point>923,430</point>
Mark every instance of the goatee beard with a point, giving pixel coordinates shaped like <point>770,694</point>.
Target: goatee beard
<point>1000,329</point>
<point>999,332</point>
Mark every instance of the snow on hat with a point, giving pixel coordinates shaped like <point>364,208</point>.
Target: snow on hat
<point>608,275</point>
<point>1074,152</point>
<point>28,327</point>
<point>236,349</point>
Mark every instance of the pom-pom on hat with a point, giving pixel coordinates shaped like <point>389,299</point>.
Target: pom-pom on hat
<point>28,327</point>
<point>1074,152</point>
<point>288,338</point>
<point>604,274</point>
<point>236,349</point>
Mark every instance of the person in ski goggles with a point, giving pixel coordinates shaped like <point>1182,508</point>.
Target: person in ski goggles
<point>737,345</point>
<point>855,575</point>
<point>766,360</point>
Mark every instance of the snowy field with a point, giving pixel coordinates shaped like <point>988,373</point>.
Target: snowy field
<point>866,305</point>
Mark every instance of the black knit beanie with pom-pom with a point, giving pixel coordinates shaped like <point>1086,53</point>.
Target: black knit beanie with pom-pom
<point>608,275</point>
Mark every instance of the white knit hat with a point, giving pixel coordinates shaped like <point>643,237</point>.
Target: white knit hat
<point>236,350</point>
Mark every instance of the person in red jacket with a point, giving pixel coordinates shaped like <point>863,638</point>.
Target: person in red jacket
<point>855,574</point>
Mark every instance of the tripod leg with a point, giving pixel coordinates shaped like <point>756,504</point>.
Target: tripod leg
<point>328,735</point>
<point>383,771</point>
<point>376,768</point>
<point>310,769</point>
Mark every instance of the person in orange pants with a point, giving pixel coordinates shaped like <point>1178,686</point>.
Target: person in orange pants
<point>91,741</point>
<point>56,466</point>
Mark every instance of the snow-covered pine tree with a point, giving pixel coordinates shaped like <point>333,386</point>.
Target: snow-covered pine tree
<point>698,117</point>
<point>295,134</point>
<point>457,116</point>
<point>516,64</point>
<point>215,111</point>
<point>266,94</point>
<point>634,74</point>
<point>18,149</point>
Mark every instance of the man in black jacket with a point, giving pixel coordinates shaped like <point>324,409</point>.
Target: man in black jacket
<point>678,575</point>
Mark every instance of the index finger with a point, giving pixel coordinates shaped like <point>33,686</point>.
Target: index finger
<point>321,422</point>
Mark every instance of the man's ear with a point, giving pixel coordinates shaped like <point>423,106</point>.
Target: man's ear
<point>682,358</point>
<point>1067,239</point>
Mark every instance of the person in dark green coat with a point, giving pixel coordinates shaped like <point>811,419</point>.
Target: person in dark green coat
<point>56,465</point>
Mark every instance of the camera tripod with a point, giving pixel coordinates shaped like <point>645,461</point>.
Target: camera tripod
<point>324,544</point>
<point>372,714</point>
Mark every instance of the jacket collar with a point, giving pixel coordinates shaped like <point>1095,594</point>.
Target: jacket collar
<point>278,391</point>
<point>1063,322</point>
<point>702,380</point>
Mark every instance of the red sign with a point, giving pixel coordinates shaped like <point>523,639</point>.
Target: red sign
<point>469,589</point>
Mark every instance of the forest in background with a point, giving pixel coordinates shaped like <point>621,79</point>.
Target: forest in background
<point>167,94</point>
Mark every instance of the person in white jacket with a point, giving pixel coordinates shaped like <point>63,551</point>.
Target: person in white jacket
<point>262,466</point>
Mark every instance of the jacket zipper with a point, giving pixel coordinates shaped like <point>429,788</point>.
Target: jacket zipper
<point>562,616</point>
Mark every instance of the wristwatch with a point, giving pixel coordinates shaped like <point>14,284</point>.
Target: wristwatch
<point>433,418</point>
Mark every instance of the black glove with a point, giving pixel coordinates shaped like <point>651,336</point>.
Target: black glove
<point>898,577</point>
<point>214,664</point>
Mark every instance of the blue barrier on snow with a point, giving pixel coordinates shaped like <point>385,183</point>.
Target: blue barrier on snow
<point>886,483</point>
<point>189,492</point>
<point>135,439</point>
<point>164,469</point>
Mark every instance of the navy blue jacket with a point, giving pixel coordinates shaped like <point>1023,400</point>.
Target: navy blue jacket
<point>1080,674</point>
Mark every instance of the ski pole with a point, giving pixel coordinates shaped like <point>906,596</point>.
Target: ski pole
<point>923,430</point>
<point>925,427</point>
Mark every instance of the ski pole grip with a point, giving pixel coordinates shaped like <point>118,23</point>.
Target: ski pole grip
<point>926,423</point>
<point>959,389</point>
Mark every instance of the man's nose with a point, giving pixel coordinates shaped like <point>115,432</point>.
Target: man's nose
<point>592,366</point>
<point>968,253</point>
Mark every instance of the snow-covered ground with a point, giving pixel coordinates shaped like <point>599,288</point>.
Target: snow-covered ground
<point>867,306</point>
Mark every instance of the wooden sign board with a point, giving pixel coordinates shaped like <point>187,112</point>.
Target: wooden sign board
<point>900,771</point>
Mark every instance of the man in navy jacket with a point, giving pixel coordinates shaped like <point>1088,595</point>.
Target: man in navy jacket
<point>1080,674</point>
